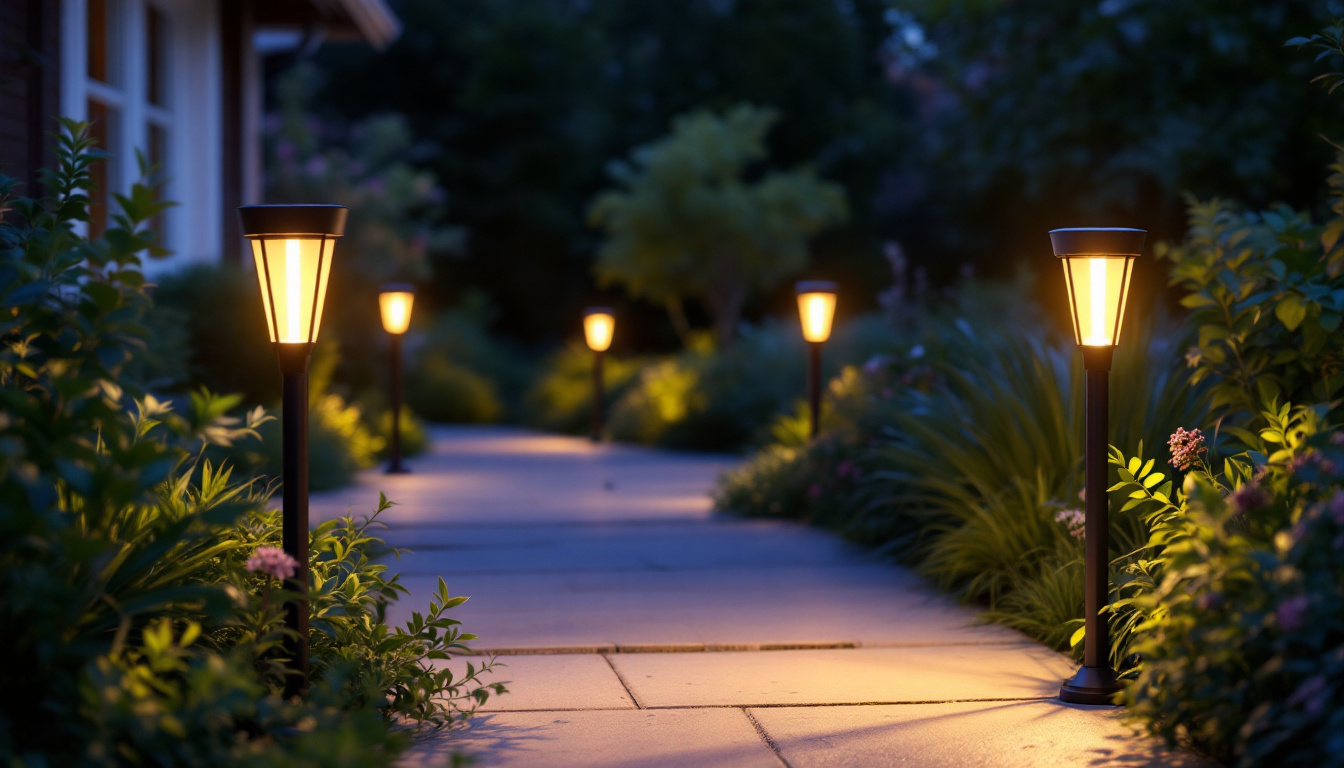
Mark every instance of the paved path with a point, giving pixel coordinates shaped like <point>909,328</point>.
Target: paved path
<point>641,630</point>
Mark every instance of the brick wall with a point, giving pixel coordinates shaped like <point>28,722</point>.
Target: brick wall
<point>29,86</point>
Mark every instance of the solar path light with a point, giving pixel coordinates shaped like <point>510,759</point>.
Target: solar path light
<point>816,310</point>
<point>394,302</point>
<point>1098,265</point>
<point>599,323</point>
<point>293,246</point>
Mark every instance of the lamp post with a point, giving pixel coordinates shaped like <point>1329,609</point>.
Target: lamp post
<point>599,323</point>
<point>394,301</point>
<point>293,247</point>
<point>1098,264</point>
<point>816,309</point>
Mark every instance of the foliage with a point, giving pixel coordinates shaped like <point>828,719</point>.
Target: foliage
<point>521,104</point>
<point>561,399</point>
<point>688,222</point>
<point>1030,107</point>
<point>414,436</point>
<point>1266,293</point>
<point>133,627</point>
<point>1241,631</point>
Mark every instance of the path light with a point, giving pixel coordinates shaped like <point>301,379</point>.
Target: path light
<point>1098,264</point>
<point>394,301</point>
<point>816,309</point>
<point>599,323</point>
<point>293,246</point>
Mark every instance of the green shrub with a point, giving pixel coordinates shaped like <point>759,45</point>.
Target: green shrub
<point>414,438</point>
<point>133,626</point>
<point>1241,631</point>
<point>561,399</point>
<point>442,391</point>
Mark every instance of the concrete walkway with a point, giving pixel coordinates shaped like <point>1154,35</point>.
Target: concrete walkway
<point>639,629</point>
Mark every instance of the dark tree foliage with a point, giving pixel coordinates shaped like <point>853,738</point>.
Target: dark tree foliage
<point>522,103</point>
<point>1043,114</point>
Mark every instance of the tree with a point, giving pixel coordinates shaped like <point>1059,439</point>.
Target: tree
<point>687,221</point>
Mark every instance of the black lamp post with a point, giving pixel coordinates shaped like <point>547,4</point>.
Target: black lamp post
<point>816,309</point>
<point>293,247</point>
<point>599,324</point>
<point>1098,264</point>
<point>394,301</point>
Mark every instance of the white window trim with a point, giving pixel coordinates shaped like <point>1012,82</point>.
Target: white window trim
<point>191,117</point>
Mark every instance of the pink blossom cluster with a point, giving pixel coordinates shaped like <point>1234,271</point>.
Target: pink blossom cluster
<point>273,562</point>
<point>1074,520</point>
<point>1185,447</point>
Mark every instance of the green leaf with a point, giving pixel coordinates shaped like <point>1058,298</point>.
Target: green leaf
<point>1291,311</point>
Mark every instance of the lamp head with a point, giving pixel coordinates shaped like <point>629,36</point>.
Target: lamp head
<point>293,247</point>
<point>394,302</point>
<point>816,308</point>
<point>1098,267</point>
<point>599,324</point>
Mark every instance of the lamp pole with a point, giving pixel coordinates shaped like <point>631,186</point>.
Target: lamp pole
<point>293,246</point>
<point>294,359</point>
<point>814,384</point>
<point>1098,266</point>
<point>599,394</point>
<point>395,467</point>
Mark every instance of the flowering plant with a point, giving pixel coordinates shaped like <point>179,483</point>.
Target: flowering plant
<point>1236,607</point>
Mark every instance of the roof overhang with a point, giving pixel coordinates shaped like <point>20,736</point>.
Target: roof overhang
<point>371,21</point>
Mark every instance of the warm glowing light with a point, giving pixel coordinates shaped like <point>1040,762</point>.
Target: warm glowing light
<point>816,309</point>
<point>599,324</point>
<point>292,273</point>
<point>1098,292</point>
<point>292,281</point>
<point>1098,264</point>
<point>395,303</point>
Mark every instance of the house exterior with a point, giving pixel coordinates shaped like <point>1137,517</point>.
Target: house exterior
<point>178,80</point>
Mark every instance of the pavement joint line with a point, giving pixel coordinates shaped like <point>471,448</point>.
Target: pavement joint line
<point>841,645</point>
<point>633,699</point>
<point>641,569</point>
<point>797,705</point>
<point>765,737</point>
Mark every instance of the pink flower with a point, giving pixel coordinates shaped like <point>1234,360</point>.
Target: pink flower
<point>1074,520</point>
<point>273,562</point>
<point>1249,497</point>
<point>1185,447</point>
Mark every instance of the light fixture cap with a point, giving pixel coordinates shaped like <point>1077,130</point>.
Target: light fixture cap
<point>816,286</point>
<point>1097,241</point>
<point>396,288</point>
<point>292,220</point>
<point>599,311</point>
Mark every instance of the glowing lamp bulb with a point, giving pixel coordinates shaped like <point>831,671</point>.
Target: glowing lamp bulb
<point>394,302</point>
<point>816,309</point>
<point>599,325</point>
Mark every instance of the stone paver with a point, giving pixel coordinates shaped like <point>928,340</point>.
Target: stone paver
<point>842,676</point>
<point>685,738</point>
<point>1020,734</point>
<point>641,630</point>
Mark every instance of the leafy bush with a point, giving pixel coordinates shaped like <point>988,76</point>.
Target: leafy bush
<point>561,399</point>
<point>134,627</point>
<point>1242,632</point>
<point>443,391</point>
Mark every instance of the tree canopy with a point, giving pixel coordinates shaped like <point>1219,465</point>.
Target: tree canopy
<point>689,221</point>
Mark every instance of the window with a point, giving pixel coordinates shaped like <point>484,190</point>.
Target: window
<point>127,94</point>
